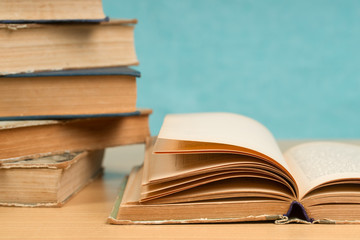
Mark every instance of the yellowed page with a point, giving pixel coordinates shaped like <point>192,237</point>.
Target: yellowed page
<point>164,169</point>
<point>222,128</point>
<point>234,176</point>
<point>228,188</point>
<point>173,166</point>
<point>132,191</point>
<point>317,163</point>
<point>200,179</point>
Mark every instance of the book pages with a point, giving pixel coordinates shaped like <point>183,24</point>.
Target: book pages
<point>222,128</point>
<point>317,163</point>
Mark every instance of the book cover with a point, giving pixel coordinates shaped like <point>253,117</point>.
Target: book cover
<point>55,11</point>
<point>34,138</point>
<point>66,94</point>
<point>54,21</point>
<point>58,178</point>
<point>105,71</point>
<point>66,46</point>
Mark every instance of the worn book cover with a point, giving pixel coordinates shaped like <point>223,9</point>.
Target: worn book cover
<point>68,93</point>
<point>33,138</point>
<point>37,47</point>
<point>47,181</point>
<point>55,11</point>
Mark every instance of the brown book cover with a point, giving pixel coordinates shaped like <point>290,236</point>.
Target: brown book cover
<point>48,181</point>
<point>34,138</point>
<point>69,92</point>
<point>49,47</point>
<point>22,11</point>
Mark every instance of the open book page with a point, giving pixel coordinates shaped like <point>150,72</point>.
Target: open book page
<point>132,191</point>
<point>168,167</point>
<point>232,131</point>
<point>230,189</point>
<point>169,173</point>
<point>318,163</point>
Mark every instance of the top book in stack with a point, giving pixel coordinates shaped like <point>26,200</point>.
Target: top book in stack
<point>46,47</point>
<point>21,11</point>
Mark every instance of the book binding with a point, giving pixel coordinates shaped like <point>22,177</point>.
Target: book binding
<point>105,71</point>
<point>22,21</point>
<point>68,117</point>
<point>295,214</point>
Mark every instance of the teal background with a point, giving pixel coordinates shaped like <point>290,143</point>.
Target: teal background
<point>292,65</point>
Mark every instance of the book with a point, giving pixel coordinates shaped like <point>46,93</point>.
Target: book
<point>223,167</point>
<point>68,92</point>
<point>50,47</point>
<point>48,181</point>
<point>23,11</point>
<point>34,138</point>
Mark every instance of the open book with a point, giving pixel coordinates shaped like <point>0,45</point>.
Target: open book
<point>222,167</point>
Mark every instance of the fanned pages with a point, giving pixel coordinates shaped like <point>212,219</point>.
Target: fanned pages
<point>220,167</point>
<point>218,132</point>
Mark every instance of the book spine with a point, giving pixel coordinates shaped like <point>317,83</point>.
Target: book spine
<point>296,214</point>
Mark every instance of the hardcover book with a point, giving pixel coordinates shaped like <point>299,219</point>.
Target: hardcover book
<point>34,138</point>
<point>25,11</point>
<point>222,167</point>
<point>34,47</point>
<point>68,92</point>
<point>47,181</point>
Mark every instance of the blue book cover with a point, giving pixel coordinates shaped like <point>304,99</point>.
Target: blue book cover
<point>23,21</point>
<point>69,117</point>
<point>106,71</point>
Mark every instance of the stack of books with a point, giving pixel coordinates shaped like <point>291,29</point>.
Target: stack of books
<point>66,94</point>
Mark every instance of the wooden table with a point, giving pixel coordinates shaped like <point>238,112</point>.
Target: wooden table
<point>84,216</point>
